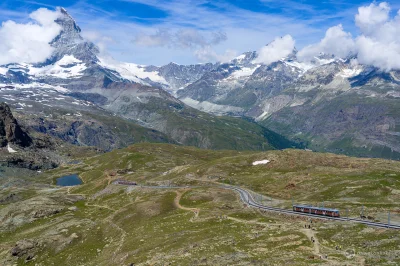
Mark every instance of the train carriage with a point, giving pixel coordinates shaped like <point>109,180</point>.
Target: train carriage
<point>124,182</point>
<point>316,210</point>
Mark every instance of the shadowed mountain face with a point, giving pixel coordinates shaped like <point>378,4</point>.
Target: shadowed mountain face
<point>10,131</point>
<point>18,149</point>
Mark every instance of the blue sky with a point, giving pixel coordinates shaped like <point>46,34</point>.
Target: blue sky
<point>157,32</point>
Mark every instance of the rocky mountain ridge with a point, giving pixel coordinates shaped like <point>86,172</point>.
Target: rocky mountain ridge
<point>304,101</point>
<point>10,130</point>
<point>80,79</point>
<point>325,103</point>
<point>19,149</point>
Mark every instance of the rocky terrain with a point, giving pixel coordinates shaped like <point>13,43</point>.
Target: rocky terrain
<point>10,130</point>
<point>102,223</point>
<point>332,105</point>
<point>17,148</point>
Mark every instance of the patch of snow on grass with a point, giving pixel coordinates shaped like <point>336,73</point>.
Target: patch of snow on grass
<point>10,150</point>
<point>261,162</point>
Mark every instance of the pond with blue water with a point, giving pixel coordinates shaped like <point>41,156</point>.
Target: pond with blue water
<point>69,180</point>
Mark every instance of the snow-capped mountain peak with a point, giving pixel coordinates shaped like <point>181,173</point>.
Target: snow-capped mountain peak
<point>70,42</point>
<point>70,31</point>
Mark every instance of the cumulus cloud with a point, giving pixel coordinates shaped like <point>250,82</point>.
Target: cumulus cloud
<point>29,43</point>
<point>276,50</point>
<point>369,17</point>
<point>336,42</point>
<point>385,56</point>
<point>377,45</point>
<point>183,38</point>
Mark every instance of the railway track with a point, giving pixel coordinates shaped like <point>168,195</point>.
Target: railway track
<point>247,198</point>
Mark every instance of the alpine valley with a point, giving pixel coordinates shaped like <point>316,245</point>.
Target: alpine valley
<point>105,162</point>
<point>329,105</point>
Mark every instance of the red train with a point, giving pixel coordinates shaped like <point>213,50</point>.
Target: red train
<point>124,182</point>
<point>316,210</point>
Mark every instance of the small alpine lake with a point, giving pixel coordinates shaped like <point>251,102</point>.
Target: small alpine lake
<point>69,180</point>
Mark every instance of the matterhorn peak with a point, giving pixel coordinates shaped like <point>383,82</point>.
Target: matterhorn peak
<point>70,41</point>
<point>68,19</point>
<point>70,31</point>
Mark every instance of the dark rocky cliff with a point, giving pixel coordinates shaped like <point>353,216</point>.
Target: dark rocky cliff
<point>10,130</point>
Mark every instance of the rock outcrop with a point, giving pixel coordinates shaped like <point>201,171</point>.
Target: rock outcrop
<point>10,130</point>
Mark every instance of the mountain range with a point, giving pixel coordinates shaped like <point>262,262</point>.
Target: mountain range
<point>86,98</point>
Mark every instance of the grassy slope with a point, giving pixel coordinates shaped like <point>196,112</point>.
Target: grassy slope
<point>99,128</point>
<point>129,132</point>
<point>191,127</point>
<point>144,226</point>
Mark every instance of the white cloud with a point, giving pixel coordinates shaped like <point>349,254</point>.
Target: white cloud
<point>101,40</point>
<point>183,38</point>
<point>336,42</point>
<point>207,54</point>
<point>161,38</point>
<point>369,17</point>
<point>242,26</point>
<point>189,38</point>
<point>385,56</point>
<point>276,50</point>
<point>45,17</point>
<point>191,29</point>
<point>377,45</point>
<point>201,43</point>
<point>29,43</point>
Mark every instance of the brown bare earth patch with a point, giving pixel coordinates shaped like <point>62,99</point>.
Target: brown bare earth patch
<point>179,194</point>
<point>290,186</point>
